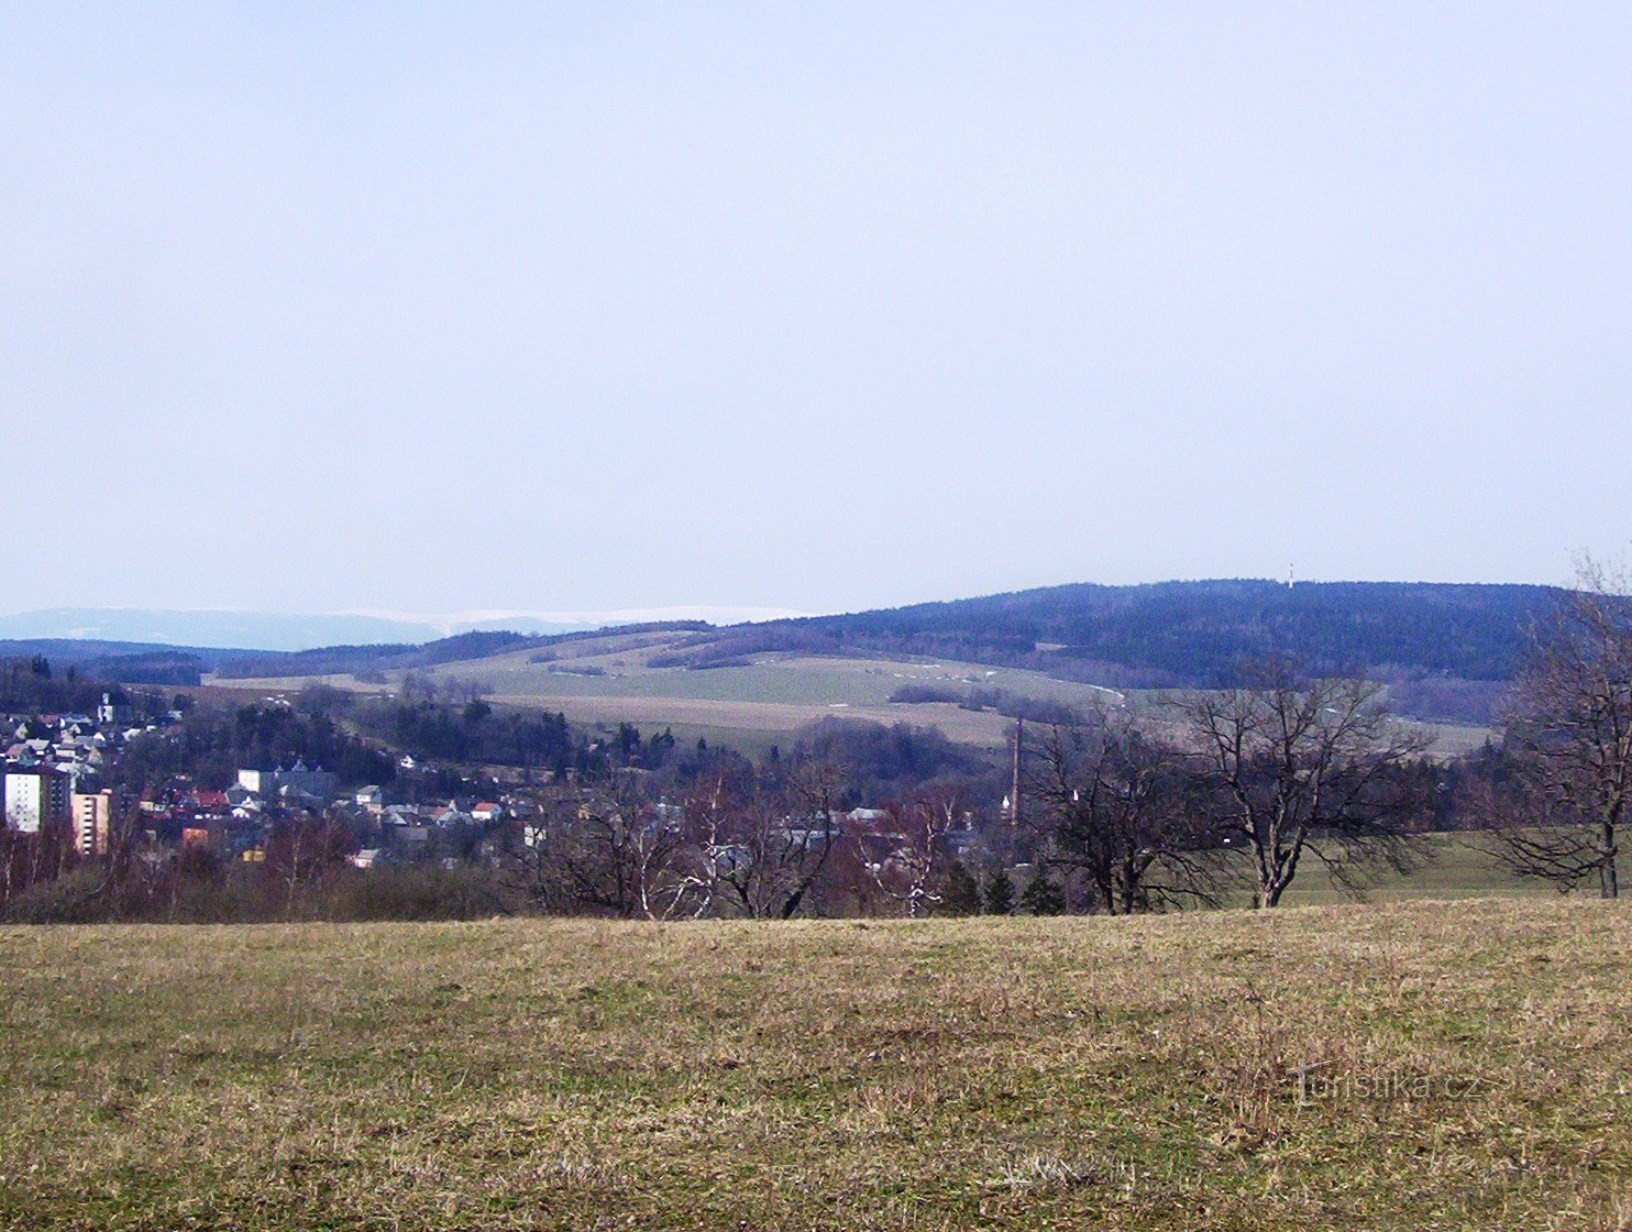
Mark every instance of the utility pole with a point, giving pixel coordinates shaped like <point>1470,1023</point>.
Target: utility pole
<point>1014,785</point>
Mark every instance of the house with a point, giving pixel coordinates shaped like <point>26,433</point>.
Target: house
<point>730,857</point>
<point>487,811</point>
<point>806,833</point>
<point>114,713</point>
<point>292,797</point>
<point>411,840</point>
<point>371,798</point>
<point>453,815</point>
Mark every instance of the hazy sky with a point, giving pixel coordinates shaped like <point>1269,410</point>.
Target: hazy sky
<point>435,307</point>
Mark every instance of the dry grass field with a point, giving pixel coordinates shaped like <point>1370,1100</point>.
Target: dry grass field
<point>1463,1065</point>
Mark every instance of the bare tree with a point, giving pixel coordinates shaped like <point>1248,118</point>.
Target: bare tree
<point>531,875</point>
<point>712,814</point>
<point>617,850</point>
<point>1571,736</point>
<point>760,844</point>
<point>1114,810</point>
<point>911,870</point>
<point>1308,767</point>
<point>300,850</point>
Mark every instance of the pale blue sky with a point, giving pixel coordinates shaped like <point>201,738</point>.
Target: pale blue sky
<point>436,307</point>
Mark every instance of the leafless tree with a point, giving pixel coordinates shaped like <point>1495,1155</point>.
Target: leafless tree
<point>531,877</point>
<point>1114,808</point>
<point>1571,736</point>
<point>617,851</point>
<point>914,858</point>
<point>299,851</point>
<point>710,816</point>
<point>1314,768</point>
<point>761,844</point>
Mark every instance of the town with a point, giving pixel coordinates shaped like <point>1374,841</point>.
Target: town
<point>622,824</point>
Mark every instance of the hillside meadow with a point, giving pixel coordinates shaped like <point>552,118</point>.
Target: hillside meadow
<point>1430,1065</point>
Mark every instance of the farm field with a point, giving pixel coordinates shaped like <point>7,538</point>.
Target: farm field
<point>612,678</point>
<point>1463,1066</point>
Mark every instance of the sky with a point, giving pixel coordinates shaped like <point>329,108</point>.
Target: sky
<point>429,308</point>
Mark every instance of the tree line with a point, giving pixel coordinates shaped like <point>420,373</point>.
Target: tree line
<point>32,684</point>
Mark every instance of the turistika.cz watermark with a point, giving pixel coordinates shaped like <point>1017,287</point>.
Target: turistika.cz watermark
<point>1319,1082</point>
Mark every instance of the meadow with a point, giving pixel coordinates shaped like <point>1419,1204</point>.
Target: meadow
<point>1424,1064</point>
<point>1456,865</point>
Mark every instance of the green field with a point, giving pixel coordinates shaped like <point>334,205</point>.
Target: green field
<point>1465,1065</point>
<point>1452,866</point>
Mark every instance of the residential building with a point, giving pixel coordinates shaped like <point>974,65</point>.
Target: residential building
<point>93,821</point>
<point>319,784</point>
<point>36,797</point>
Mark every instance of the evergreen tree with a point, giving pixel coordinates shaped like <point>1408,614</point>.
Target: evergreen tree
<point>1000,893</point>
<point>1042,896</point>
<point>961,893</point>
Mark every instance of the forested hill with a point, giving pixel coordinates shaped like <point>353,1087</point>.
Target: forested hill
<point>1168,634</point>
<point>1202,633</point>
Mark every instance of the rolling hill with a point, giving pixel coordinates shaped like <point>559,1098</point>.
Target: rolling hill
<point>1446,652</point>
<point>1204,634</point>
<point>1164,635</point>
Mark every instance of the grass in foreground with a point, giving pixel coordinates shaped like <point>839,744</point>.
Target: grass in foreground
<point>1465,1065</point>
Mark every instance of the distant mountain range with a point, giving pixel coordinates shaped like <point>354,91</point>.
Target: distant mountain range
<point>281,631</point>
<point>224,630</point>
